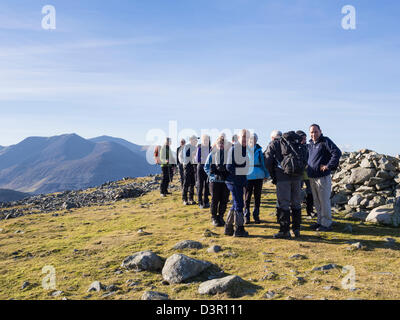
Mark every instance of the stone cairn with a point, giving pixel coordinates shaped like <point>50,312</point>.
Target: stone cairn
<point>365,180</point>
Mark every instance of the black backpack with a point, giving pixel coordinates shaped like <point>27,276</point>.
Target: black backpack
<point>294,154</point>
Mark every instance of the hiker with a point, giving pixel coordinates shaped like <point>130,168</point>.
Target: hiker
<point>202,185</point>
<point>179,163</point>
<point>323,158</point>
<point>238,166</point>
<point>255,178</point>
<point>167,162</point>
<point>275,135</point>
<point>156,154</point>
<point>188,159</point>
<point>217,174</point>
<point>306,181</point>
<point>286,160</point>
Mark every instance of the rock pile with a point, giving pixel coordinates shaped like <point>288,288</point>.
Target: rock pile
<point>366,180</point>
<point>105,194</point>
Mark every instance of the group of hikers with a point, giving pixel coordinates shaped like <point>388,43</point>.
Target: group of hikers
<point>239,168</point>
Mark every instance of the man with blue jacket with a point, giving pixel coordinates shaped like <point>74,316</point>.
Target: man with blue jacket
<point>323,158</point>
<point>255,179</point>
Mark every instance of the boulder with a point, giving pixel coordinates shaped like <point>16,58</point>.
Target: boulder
<point>153,295</point>
<point>179,268</point>
<point>188,244</point>
<point>233,285</point>
<point>385,215</point>
<point>355,200</point>
<point>339,198</point>
<point>96,286</point>
<point>143,261</point>
<point>358,216</point>
<point>360,175</point>
<point>365,163</point>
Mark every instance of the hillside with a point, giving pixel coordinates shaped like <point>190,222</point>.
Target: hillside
<point>67,162</point>
<point>11,195</point>
<point>88,244</point>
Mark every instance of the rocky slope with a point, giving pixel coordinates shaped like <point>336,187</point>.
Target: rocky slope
<point>104,195</point>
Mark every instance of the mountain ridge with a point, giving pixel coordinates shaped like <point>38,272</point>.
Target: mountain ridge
<point>68,162</point>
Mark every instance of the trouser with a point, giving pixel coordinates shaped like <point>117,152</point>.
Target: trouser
<point>166,178</point>
<point>289,202</point>
<point>256,186</point>
<point>219,198</point>
<point>189,182</point>
<point>309,197</point>
<point>181,174</point>
<point>321,190</point>
<point>235,215</point>
<point>202,185</point>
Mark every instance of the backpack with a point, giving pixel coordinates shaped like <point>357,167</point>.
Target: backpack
<point>294,154</point>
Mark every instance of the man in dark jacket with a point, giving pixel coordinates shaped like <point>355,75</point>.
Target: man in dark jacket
<point>179,164</point>
<point>323,158</point>
<point>238,168</point>
<point>288,187</point>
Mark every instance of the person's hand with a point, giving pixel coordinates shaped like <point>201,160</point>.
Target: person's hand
<point>324,168</point>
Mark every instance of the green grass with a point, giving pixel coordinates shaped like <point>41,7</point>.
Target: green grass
<point>103,236</point>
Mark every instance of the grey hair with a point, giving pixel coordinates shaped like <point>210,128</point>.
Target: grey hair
<point>276,134</point>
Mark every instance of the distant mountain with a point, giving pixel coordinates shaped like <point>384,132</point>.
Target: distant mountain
<point>131,146</point>
<point>44,165</point>
<point>7,195</point>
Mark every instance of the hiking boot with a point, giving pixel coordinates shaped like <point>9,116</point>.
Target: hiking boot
<point>256,216</point>
<point>240,232</point>
<point>246,215</point>
<point>215,222</point>
<point>221,221</point>
<point>314,226</point>
<point>229,230</point>
<point>324,229</point>
<point>206,205</point>
<point>201,206</point>
<point>296,233</point>
<point>282,235</point>
<point>192,202</point>
<point>163,195</point>
<point>185,203</point>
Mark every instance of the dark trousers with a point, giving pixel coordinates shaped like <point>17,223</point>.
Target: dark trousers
<point>289,200</point>
<point>188,183</point>
<point>166,178</point>
<point>202,185</point>
<point>309,197</point>
<point>219,198</point>
<point>181,174</point>
<point>256,187</point>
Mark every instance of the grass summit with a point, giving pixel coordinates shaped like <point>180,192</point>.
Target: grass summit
<point>89,244</point>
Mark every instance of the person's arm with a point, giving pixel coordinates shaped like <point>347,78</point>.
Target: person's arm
<point>270,161</point>
<point>335,154</point>
<point>263,166</point>
<point>230,167</point>
<point>207,165</point>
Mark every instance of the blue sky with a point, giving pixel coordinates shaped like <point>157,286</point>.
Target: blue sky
<point>122,68</point>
